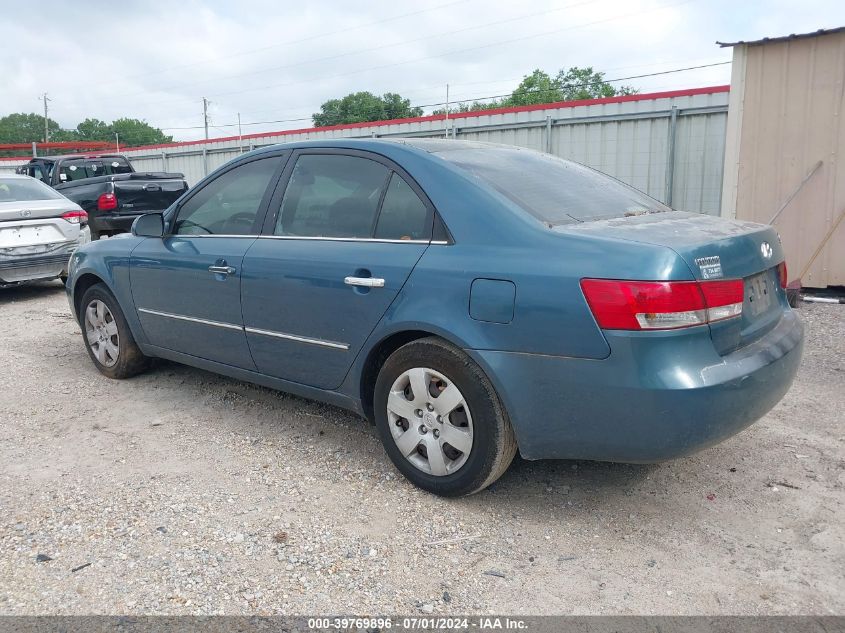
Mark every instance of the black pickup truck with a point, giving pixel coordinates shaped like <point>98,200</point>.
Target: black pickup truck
<point>107,187</point>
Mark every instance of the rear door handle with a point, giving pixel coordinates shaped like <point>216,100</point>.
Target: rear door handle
<point>222,270</point>
<point>365,282</point>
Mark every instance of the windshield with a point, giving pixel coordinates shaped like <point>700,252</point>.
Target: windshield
<point>25,190</point>
<point>553,190</point>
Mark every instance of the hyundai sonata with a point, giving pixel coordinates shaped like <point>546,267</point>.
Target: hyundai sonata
<point>471,300</point>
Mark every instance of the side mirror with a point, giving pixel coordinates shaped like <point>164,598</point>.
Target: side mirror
<point>148,225</point>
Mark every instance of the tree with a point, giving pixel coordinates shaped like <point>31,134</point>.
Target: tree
<point>92,130</point>
<point>25,128</point>
<point>539,87</point>
<point>360,107</point>
<point>471,107</point>
<point>535,88</point>
<point>136,132</point>
<point>584,83</point>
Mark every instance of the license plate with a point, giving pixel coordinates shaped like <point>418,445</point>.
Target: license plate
<point>758,292</point>
<point>30,236</point>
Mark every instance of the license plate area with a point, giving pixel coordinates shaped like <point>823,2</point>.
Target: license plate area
<point>759,293</point>
<point>30,236</point>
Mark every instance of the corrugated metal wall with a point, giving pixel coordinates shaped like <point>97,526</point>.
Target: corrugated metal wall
<point>786,116</point>
<point>635,139</point>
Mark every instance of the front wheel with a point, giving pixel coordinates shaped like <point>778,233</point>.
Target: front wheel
<point>108,339</point>
<point>440,419</point>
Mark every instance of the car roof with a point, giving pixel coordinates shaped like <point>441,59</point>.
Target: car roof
<point>15,176</point>
<point>53,159</point>
<point>398,144</point>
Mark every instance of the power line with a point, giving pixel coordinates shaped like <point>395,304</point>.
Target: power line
<point>436,56</point>
<point>462,50</point>
<point>167,69</point>
<point>366,50</point>
<point>46,100</point>
<point>438,88</point>
<point>499,96</point>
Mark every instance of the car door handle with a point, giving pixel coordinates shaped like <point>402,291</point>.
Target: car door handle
<point>365,282</point>
<point>222,270</point>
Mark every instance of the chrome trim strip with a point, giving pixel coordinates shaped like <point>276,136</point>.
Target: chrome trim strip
<point>206,236</point>
<point>229,326</point>
<point>311,238</point>
<point>299,339</point>
<point>341,239</point>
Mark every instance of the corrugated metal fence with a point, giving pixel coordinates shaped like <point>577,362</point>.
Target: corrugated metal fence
<point>670,145</point>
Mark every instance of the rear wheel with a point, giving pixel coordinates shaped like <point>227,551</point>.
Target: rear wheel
<point>440,419</point>
<point>108,340</point>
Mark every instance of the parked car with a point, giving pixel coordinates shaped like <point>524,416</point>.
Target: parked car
<point>39,229</point>
<point>470,299</point>
<point>108,188</point>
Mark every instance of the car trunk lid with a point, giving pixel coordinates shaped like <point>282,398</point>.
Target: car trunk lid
<point>712,248</point>
<point>35,227</point>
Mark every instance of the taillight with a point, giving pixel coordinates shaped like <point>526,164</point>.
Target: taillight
<point>782,275</point>
<point>661,305</point>
<point>107,202</point>
<point>75,217</point>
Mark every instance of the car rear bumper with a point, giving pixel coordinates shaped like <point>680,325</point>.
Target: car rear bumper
<point>114,222</point>
<point>658,396</point>
<point>33,268</point>
<point>16,268</point>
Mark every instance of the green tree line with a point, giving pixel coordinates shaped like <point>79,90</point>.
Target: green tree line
<point>26,128</point>
<point>539,87</point>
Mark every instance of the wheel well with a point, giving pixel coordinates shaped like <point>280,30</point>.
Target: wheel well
<point>82,284</point>
<point>375,360</point>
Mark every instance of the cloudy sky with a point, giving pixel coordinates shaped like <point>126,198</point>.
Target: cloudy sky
<point>275,62</point>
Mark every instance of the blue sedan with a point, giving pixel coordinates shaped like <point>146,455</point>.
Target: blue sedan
<point>471,300</point>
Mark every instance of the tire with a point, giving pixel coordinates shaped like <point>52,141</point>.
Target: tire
<point>117,355</point>
<point>479,424</point>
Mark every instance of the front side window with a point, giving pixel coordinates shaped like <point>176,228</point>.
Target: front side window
<point>331,195</point>
<point>227,205</point>
<point>36,171</point>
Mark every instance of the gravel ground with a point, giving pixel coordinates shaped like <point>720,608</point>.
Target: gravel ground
<point>185,492</point>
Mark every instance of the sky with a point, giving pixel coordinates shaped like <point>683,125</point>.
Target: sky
<point>275,62</point>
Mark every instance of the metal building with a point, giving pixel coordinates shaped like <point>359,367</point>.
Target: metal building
<point>668,144</point>
<point>785,140</point>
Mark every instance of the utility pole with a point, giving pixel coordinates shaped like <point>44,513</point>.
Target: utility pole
<point>446,124</point>
<point>117,141</point>
<point>240,149</point>
<point>205,115</point>
<point>45,99</point>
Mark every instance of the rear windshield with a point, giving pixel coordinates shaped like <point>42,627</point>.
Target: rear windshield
<point>88,168</point>
<point>25,190</point>
<point>553,190</point>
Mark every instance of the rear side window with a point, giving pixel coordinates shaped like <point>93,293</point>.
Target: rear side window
<point>403,215</point>
<point>227,205</point>
<point>79,169</point>
<point>332,195</point>
<point>26,190</point>
<point>553,190</point>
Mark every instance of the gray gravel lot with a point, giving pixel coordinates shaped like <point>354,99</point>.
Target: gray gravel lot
<point>185,492</point>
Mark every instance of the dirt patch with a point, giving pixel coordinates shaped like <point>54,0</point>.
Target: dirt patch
<point>186,492</point>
